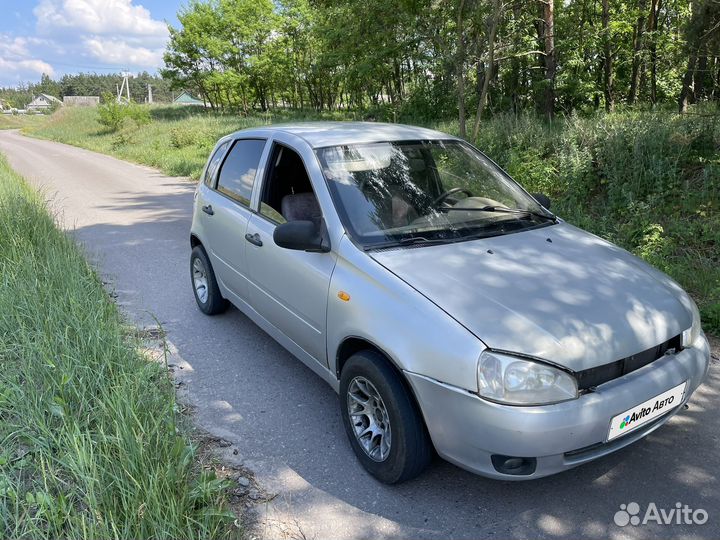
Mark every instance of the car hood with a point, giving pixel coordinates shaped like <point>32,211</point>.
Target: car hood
<point>556,293</point>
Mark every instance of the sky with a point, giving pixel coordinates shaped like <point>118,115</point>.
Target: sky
<point>71,36</point>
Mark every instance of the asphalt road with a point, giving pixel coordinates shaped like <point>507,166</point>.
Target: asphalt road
<point>283,420</point>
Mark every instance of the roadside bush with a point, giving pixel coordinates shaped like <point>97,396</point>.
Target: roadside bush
<point>111,114</point>
<point>127,132</point>
<point>183,136</point>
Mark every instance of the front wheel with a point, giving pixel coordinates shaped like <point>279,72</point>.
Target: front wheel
<point>207,293</point>
<point>385,428</point>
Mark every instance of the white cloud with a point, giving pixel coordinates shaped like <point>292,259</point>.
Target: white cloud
<point>13,47</point>
<point>118,52</point>
<point>113,32</point>
<point>83,35</point>
<point>17,62</point>
<point>16,71</point>
<point>99,17</point>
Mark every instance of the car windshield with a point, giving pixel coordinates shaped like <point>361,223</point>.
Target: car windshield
<point>424,192</point>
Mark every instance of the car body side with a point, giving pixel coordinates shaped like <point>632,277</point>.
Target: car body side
<point>378,299</point>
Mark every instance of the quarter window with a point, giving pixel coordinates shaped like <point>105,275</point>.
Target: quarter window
<point>214,162</point>
<point>237,174</point>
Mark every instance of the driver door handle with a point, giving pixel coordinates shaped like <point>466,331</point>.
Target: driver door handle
<point>254,239</point>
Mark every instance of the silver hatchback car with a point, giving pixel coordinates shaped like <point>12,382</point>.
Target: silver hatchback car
<point>449,308</point>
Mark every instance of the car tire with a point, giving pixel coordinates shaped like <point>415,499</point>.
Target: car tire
<point>409,450</point>
<point>204,285</point>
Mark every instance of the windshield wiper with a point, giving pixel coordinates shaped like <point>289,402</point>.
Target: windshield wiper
<point>411,240</point>
<point>501,209</point>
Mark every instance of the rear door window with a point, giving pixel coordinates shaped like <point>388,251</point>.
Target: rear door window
<point>238,171</point>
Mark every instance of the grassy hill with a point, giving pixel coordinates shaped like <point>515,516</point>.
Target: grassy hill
<point>649,181</point>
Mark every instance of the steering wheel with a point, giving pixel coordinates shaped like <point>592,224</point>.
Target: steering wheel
<point>449,192</point>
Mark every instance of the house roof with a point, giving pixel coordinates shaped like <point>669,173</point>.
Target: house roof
<point>185,97</point>
<point>51,98</point>
<point>48,98</point>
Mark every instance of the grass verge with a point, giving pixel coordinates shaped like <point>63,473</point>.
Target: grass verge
<point>19,121</point>
<point>91,444</point>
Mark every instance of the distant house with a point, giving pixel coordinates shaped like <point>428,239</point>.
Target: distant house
<point>186,99</point>
<point>43,102</point>
<point>81,101</point>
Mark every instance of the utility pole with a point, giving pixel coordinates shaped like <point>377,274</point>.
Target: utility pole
<point>120,91</point>
<point>149,98</point>
<point>124,87</point>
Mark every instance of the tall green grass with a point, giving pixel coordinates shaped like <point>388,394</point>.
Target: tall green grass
<point>90,440</point>
<point>649,181</point>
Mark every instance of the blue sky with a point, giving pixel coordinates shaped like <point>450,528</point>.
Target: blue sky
<point>69,36</point>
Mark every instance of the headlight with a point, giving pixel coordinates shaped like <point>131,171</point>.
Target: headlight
<point>690,335</point>
<point>516,381</point>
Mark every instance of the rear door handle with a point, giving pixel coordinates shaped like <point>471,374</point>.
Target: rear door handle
<point>208,210</point>
<point>253,239</point>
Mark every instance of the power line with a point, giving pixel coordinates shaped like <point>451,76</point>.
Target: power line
<point>117,69</point>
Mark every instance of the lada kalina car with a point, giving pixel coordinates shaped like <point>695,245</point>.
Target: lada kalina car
<point>448,307</point>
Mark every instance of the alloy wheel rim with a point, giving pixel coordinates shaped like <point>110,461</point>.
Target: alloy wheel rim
<point>369,419</point>
<point>200,281</point>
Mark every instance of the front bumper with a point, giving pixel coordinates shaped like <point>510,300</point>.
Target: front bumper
<point>467,430</point>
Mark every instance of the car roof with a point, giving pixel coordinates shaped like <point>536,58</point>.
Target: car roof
<point>321,134</point>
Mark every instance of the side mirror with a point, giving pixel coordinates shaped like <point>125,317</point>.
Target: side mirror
<point>543,199</point>
<point>302,236</point>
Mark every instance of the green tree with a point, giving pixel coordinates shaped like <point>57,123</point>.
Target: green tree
<point>461,58</point>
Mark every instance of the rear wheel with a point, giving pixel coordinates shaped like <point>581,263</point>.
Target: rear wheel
<point>384,426</point>
<point>205,287</point>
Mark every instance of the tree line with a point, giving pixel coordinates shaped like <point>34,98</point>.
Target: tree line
<point>459,57</point>
<point>88,84</point>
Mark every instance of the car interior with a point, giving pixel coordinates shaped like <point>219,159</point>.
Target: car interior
<point>288,194</point>
<point>412,188</point>
<point>390,196</point>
